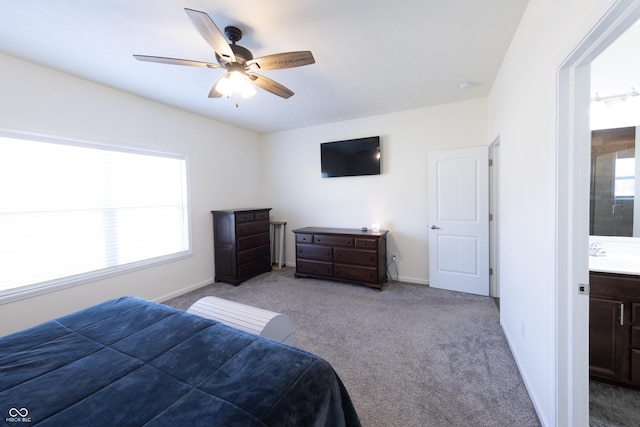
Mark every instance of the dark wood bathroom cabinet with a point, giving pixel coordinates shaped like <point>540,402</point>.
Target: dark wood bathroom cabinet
<point>614,328</point>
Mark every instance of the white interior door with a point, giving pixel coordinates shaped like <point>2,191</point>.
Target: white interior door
<point>459,215</point>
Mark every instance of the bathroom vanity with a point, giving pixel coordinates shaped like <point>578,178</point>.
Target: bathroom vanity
<point>614,310</point>
<point>614,328</point>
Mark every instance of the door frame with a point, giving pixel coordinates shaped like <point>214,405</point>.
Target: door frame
<point>572,204</point>
<point>494,224</point>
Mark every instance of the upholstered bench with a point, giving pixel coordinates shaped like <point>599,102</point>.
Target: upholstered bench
<point>261,322</point>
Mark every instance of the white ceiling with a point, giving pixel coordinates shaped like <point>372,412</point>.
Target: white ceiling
<point>371,57</point>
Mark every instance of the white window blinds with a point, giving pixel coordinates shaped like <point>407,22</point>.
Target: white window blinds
<point>70,212</point>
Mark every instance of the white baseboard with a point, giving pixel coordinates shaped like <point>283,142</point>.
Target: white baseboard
<point>413,280</point>
<point>182,291</point>
<point>541,415</point>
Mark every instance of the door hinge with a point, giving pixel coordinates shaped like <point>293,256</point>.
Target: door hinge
<point>583,288</point>
<point>491,272</point>
<point>490,217</point>
<point>490,162</point>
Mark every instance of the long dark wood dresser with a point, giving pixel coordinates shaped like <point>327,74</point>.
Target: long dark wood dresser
<point>343,254</point>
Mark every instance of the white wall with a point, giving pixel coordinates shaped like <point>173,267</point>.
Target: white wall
<point>226,165</point>
<point>397,198</point>
<point>224,169</point>
<point>522,112</point>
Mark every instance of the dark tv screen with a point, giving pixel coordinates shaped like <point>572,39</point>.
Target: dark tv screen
<point>351,157</point>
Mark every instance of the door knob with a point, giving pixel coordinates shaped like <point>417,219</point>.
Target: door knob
<point>435,227</point>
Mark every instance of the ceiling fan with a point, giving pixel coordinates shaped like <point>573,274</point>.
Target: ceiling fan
<point>237,60</point>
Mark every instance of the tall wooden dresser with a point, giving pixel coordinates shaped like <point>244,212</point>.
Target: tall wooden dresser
<point>348,255</point>
<point>241,244</point>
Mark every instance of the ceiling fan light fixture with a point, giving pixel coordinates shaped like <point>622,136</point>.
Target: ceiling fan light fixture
<point>235,82</point>
<point>237,60</point>
<point>242,84</point>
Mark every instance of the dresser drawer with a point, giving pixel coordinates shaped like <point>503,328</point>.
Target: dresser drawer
<point>366,243</point>
<point>321,253</point>
<point>316,268</point>
<point>262,215</point>
<point>304,238</point>
<point>255,267</point>
<point>253,254</point>
<point>356,274</point>
<point>354,256</point>
<point>245,243</point>
<point>244,217</point>
<point>320,239</point>
<point>250,228</point>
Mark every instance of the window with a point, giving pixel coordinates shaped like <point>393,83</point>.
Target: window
<point>72,212</point>
<point>625,171</point>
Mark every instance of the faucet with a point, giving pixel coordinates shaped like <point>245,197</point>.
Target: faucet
<point>596,250</point>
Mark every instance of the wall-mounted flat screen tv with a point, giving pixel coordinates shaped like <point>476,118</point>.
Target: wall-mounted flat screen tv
<point>351,157</point>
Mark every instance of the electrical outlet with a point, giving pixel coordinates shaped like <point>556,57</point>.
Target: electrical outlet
<point>523,330</point>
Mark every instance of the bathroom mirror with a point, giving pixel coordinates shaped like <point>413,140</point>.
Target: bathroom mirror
<point>615,126</point>
<point>615,199</point>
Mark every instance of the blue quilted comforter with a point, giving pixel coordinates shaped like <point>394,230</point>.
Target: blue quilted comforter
<point>131,362</point>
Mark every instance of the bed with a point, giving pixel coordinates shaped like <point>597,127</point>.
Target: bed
<point>129,361</point>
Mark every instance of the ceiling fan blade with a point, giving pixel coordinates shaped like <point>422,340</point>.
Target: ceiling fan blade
<point>175,61</point>
<point>213,93</point>
<point>282,60</point>
<point>210,32</point>
<point>270,86</point>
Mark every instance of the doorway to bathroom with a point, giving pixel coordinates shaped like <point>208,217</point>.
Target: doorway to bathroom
<point>572,202</point>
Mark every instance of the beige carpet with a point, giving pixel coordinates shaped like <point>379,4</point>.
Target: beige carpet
<point>409,355</point>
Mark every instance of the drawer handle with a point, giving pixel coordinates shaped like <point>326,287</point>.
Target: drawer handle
<point>621,314</point>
